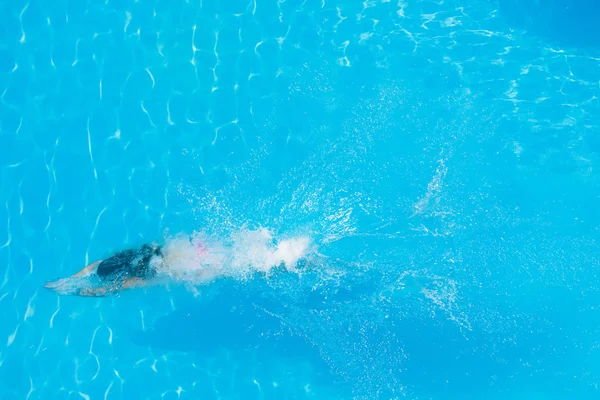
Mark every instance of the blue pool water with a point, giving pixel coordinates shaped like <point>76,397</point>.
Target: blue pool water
<point>441,156</point>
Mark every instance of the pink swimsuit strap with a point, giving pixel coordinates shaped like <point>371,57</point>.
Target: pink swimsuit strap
<point>200,250</point>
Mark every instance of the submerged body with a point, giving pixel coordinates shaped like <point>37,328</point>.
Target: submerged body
<point>126,269</point>
<point>189,260</point>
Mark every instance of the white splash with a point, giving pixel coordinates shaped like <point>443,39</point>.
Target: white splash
<point>199,258</point>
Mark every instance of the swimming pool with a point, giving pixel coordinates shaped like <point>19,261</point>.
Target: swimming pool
<point>441,162</point>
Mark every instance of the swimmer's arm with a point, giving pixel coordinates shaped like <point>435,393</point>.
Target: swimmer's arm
<point>95,292</point>
<point>134,282</point>
<point>88,270</point>
<point>59,285</point>
<point>106,291</point>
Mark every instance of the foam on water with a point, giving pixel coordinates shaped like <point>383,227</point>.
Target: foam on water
<point>200,258</point>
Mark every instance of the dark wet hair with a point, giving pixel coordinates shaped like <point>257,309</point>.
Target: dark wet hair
<point>135,263</point>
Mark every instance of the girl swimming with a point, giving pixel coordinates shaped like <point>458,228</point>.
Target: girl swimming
<point>191,261</point>
<point>127,269</point>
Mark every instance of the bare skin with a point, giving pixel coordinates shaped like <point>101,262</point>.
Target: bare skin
<point>64,286</point>
<point>105,291</point>
<point>90,269</point>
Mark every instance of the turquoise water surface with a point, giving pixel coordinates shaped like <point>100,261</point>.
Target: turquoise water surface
<point>441,157</point>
